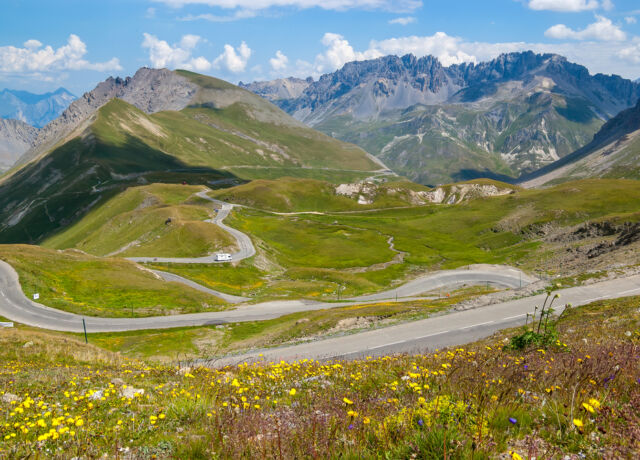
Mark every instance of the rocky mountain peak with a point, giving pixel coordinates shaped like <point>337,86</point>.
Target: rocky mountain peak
<point>150,90</point>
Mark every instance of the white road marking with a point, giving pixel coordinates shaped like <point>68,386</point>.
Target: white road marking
<point>474,325</point>
<point>514,317</point>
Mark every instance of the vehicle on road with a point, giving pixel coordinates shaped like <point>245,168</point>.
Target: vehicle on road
<point>222,257</point>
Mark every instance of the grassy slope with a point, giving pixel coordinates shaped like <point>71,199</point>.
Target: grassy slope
<point>92,286</point>
<point>481,401</point>
<point>312,255</point>
<point>138,216</point>
<point>289,194</point>
<point>492,230</point>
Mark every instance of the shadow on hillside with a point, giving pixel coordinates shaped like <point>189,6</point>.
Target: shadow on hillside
<point>48,195</point>
<point>471,174</point>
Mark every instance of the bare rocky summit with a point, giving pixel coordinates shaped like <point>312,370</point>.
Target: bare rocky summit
<point>282,88</point>
<point>150,90</point>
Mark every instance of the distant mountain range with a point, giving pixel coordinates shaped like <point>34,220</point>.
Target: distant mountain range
<point>21,115</point>
<point>436,124</point>
<point>34,109</point>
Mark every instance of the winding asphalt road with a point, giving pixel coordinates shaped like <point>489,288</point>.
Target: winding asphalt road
<point>15,306</point>
<point>245,246</point>
<point>451,329</point>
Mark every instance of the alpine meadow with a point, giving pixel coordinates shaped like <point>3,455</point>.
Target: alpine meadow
<point>393,229</point>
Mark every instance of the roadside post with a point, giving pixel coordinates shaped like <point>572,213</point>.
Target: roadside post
<point>84,326</point>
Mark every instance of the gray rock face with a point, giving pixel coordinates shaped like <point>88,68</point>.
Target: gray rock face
<point>282,88</point>
<point>151,90</point>
<point>436,124</point>
<point>34,109</point>
<point>16,137</point>
<point>613,152</point>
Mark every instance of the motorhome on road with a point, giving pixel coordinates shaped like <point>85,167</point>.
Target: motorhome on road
<point>222,257</point>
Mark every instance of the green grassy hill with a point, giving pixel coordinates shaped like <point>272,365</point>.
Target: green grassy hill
<point>226,133</point>
<point>135,223</point>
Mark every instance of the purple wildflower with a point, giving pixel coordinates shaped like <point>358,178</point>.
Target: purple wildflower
<point>513,420</point>
<point>420,422</point>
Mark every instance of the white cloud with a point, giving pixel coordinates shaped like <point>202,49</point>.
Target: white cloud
<point>630,20</point>
<point>631,53</point>
<point>150,13</point>
<point>446,48</point>
<point>234,60</point>
<point>239,14</point>
<point>279,62</point>
<point>179,55</point>
<point>37,60</point>
<point>338,53</point>
<point>565,5</point>
<point>603,29</point>
<point>403,21</point>
<point>338,5</point>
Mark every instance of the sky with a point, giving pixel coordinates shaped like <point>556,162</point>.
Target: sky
<point>75,44</point>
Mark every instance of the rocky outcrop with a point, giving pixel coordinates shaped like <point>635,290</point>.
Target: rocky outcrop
<point>367,191</point>
<point>16,137</point>
<point>454,194</point>
<point>282,88</point>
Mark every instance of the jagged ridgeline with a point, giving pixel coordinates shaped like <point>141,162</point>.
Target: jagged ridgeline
<point>160,126</point>
<point>437,124</point>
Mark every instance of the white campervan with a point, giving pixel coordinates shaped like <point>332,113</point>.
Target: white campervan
<point>222,257</point>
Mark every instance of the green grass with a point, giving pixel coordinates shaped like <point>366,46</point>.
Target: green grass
<point>87,285</point>
<point>242,279</point>
<point>578,280</point>
<point>303,241</point>
<point>491,230</point>
<point>134,223</point>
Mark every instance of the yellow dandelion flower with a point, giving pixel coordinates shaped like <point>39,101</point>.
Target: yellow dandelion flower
<point>588,407</point>
<point>578,423</point>
<point>292,392</point>
<point>347,401</point>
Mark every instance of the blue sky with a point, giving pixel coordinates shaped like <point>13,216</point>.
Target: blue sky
<point>76,43</point>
